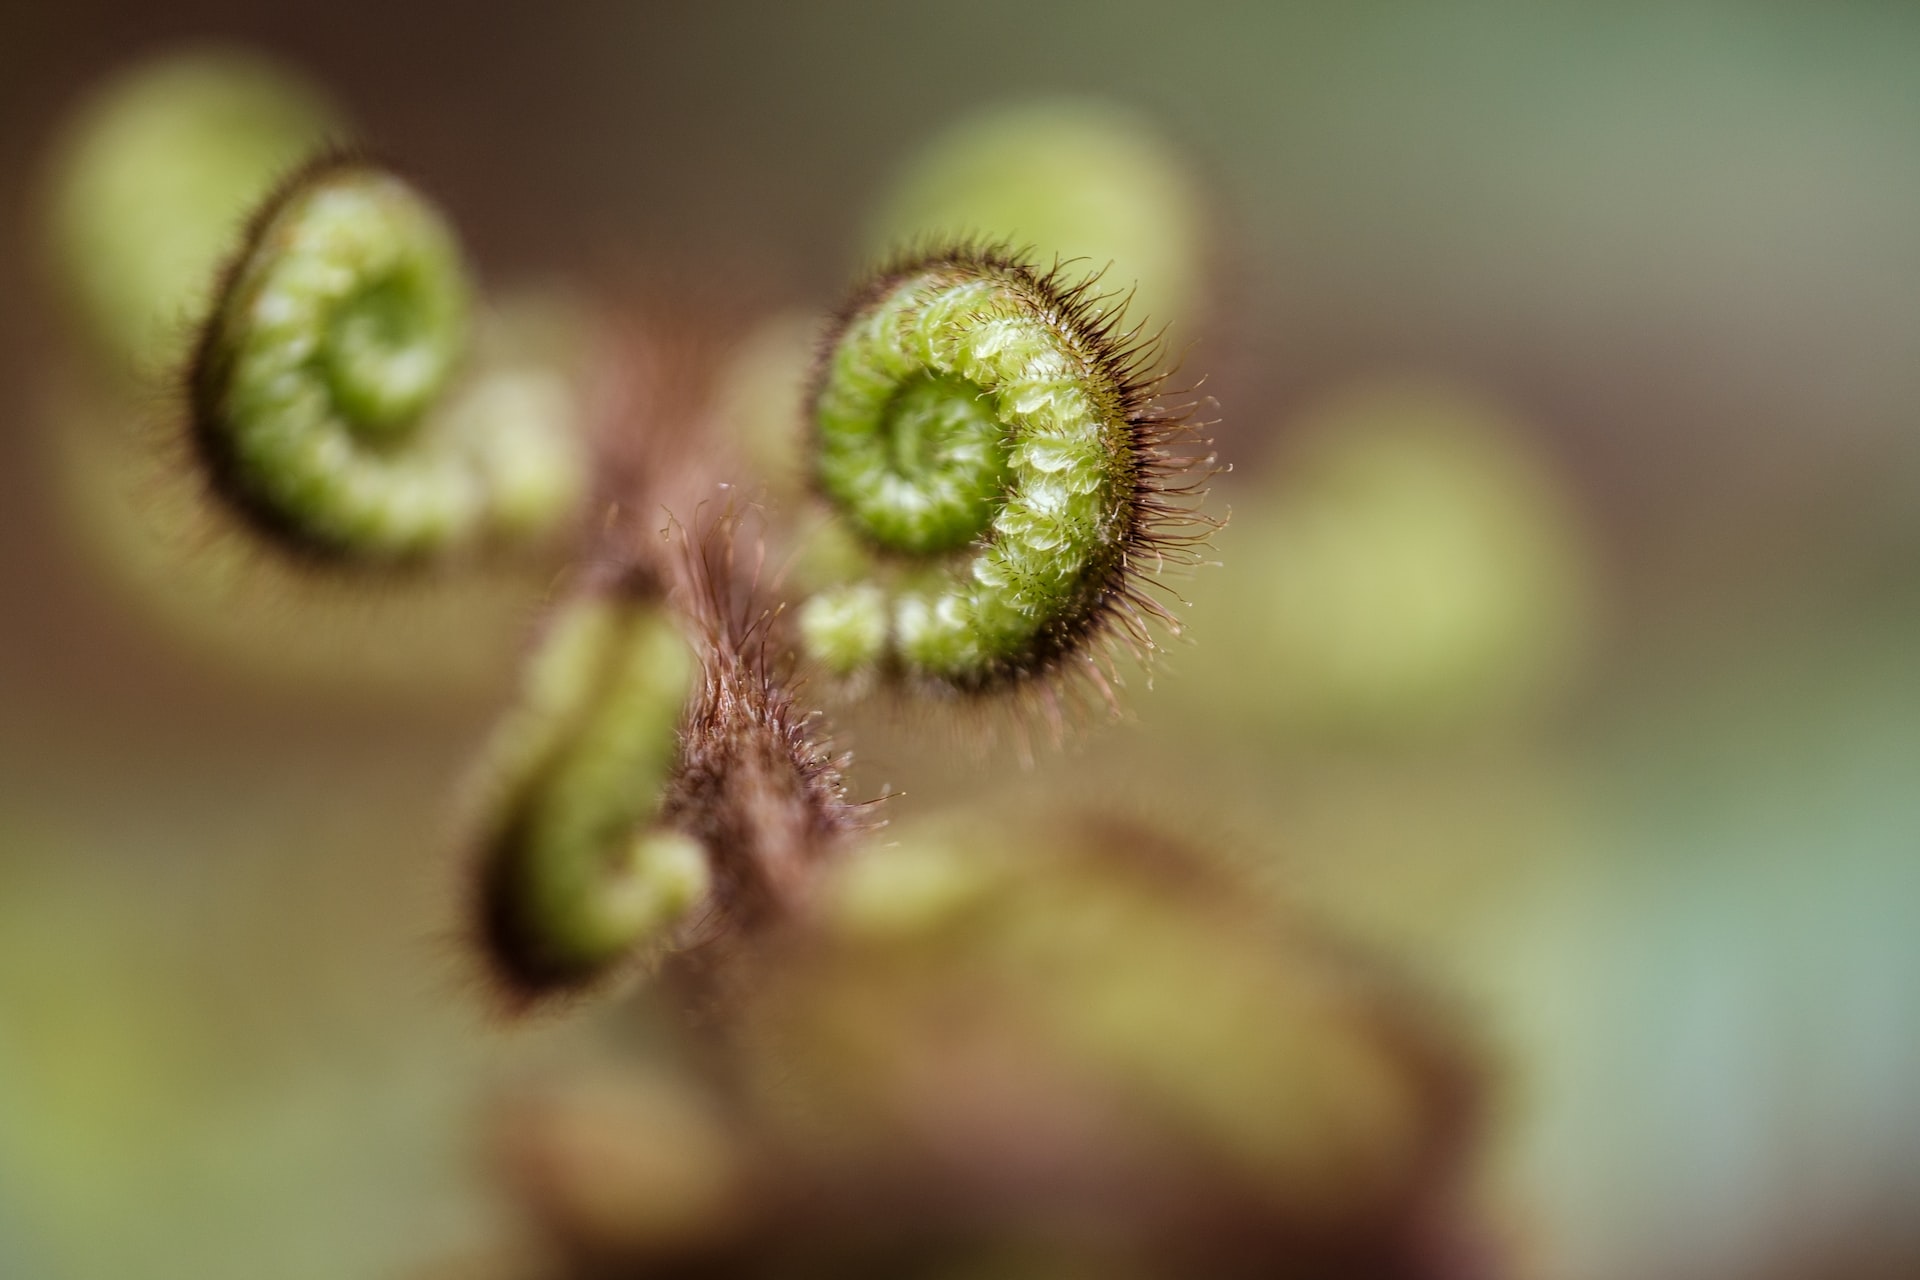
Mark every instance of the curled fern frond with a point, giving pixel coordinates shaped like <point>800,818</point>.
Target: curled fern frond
<point>157,167</point>
<point>323,393</point>
<point>992,431</point>
<point>578,872</point>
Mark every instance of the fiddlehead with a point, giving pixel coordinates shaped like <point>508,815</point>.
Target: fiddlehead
<point>1080,178</point>
<point>1423,569</point>
<point>323,390</point>
<point>992,425</point>
<point>150,180</point>
<point>577,872</point>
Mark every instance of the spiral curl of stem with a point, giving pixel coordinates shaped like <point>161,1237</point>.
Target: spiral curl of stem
<point>322,388</point>
<point>578,872</point>
<point>992,428</point>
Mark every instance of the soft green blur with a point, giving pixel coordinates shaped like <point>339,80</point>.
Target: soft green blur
<point>763,384</point>
<point>999,1024</point>
<point>1086,182</point>
<point>1413,566</point>
<point>154,181</point>
<point>1146,969</point>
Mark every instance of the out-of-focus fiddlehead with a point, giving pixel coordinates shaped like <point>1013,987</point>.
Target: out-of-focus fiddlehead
<point>993,426</point>
<point>1002,1024</point>
<point>324,396</point>
<point>151,180</point>
<point>1077,178</point>
<point>1424,569</point>
<point>577,872</point>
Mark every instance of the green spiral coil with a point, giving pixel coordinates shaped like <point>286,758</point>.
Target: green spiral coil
<point>992,436</point>
<point>324,389</point>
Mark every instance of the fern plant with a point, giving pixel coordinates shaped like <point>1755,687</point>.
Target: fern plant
<point>989,433</point>
<point>987,428</point>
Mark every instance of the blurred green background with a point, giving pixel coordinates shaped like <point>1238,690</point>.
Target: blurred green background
<point>1562,641</point>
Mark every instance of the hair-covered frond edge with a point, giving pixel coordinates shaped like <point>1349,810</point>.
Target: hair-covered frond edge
<point>1172,467</point>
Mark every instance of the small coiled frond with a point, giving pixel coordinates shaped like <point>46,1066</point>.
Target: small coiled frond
<point>993,427</point>
<point>324,397</point>
<point>1083,178</point>
<point>577,871</point>
<point>156,168</point>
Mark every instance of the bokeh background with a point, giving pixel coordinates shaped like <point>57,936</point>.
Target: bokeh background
<point>1562,642</point>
